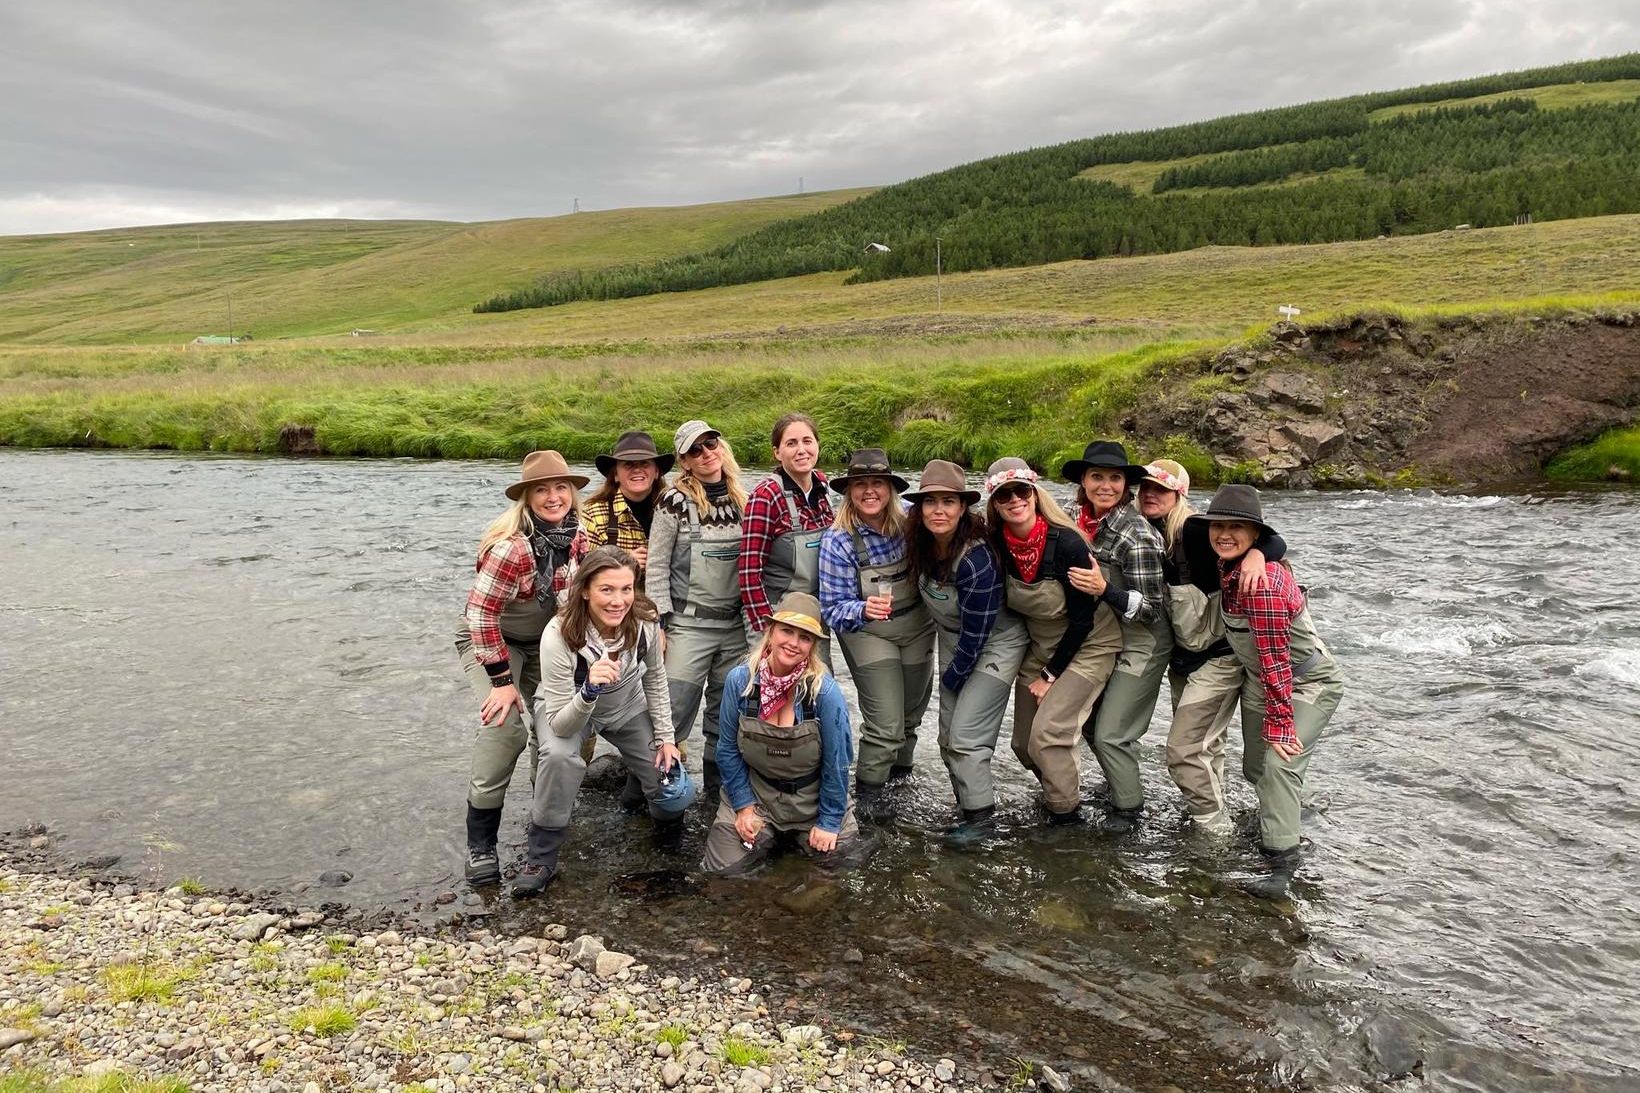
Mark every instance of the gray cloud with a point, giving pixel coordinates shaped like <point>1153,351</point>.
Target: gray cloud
<point>473,109</point>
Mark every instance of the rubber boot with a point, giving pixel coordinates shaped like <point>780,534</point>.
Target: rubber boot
<point>632,799</point>
<point>710,782</point>
<point>977,825</point>
<point>1120,821</point>
<point>483,824</point>
<point>1283,864</point>
<point>872,803</point>
<point>668,833</point>
<point>1065,819</point>
<point>899,772</point>
<point>540,860</point>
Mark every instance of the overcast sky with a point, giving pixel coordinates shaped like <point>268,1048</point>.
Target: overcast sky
<point>156,111</point>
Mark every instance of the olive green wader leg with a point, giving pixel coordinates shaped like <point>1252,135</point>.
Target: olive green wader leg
<point>698,659</point>
<point>1126,707</point>
<point>890,689</point>
<point>971,720</point>
<point>1280,782</point>
<point>1203,704</point>
<point>496,748</point>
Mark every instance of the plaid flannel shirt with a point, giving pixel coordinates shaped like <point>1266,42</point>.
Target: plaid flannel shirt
<point>980,594</point>
<point>841,604</point>
<point>1269,612</point>
<point>613,523</point>
<point>506,572</point>
<point>1126,538</point>
<point>766,519</point>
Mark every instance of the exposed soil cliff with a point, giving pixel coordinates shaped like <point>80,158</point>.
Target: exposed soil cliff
<point>1463,400</point>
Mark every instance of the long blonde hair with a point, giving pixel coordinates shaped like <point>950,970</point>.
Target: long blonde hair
<point>695,490</point>
<point>519,520</point>
<point>846,519</point>
<point>814,672</point>
<point>1045,504</point>
<point>1173,523</point>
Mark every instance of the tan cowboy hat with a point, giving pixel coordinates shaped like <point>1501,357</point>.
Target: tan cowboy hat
<point>800,611</point>
<point>942,476</point>
<point>543,467</point>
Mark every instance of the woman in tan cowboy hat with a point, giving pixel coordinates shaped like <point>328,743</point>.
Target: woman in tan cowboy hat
<point>981,642</point>
<point>1073,642</point>
<point>1291,683</point>
<point>783,748</point>
<point>1203,673</point>
<point>526,559</point>
<point>868,598</point>
<point>622,510</point>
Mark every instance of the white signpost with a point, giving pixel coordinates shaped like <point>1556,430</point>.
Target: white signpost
<point>1288,311</point>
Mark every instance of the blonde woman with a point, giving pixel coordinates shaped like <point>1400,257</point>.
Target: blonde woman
<point>693,577</point>
<point>602,674</point>
<point>1074,644</point>
<point>783,748</point>
<point>870,600</point>
<point>526,559</point>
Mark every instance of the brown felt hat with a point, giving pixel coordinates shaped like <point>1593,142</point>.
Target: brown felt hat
<point>942,476</point>
<point>543,467</point>
<point>634,447</point>
<point>868,463</point>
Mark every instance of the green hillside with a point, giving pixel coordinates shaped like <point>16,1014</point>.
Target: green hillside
<point>1551,143</point>
<point>307,277</point>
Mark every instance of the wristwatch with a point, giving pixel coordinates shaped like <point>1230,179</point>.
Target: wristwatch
<point>1047,676</point>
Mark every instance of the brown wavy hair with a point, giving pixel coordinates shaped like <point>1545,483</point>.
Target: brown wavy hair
<point>575,616</point>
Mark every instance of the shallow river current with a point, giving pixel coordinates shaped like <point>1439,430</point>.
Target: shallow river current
<point>242,670</point>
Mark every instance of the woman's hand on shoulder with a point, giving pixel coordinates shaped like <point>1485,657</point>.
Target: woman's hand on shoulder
<point>1254,573</point>
<point>1090,580</point>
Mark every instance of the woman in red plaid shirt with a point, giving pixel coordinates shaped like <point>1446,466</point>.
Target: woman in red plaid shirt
<point>781,526</point>
<point>1291,684</point>
<point>525,561</point>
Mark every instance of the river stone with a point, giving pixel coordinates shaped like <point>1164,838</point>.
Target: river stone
<point>853,956</point>
<point>1393,1044</point>
<point>945,1070</point>
<point>11,1037</point>
<point>1054,1082</point>
<point>98,1067</point>
<point>307,920</point>
<point>255,926</point>
<point>802,1035</point>
<point>388,939</point>
<point>39,842</point>
<point>1316,439</point>
<point>671,1074</point>
<point>584,950</point>
<point>609,964</point>
<point>335,878</point>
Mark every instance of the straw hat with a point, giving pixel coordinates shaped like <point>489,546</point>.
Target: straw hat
<point>543,467</point>
<point>941,476</point>
<point>800,611</point>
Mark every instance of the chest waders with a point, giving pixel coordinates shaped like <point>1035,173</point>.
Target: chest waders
<point>971,719</point>
<point>1125,709</point>
<point>1317,687</point>
<point>794,565</point>
<point>892,663</point>
<point>705,638</point>
<point>621,716</point>
<point>783,764</point>
<point>1046,735</point>
<point>496,748</point>
<point>1204,701</point>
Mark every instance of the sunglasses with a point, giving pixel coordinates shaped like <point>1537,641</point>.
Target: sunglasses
<point>706,444</point>
<point>1008,493</point>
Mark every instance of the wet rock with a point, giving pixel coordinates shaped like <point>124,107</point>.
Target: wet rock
<point>39,842</point>
<point>307,920</point>
<point>255,926</point>
<point>853,956</point>
<point>1053,1082</point>
<point>1394,1045</point>
<point>584,950</point>
<point>605,772</point>
<point>335,878</point>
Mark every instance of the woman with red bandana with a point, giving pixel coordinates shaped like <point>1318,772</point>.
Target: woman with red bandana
<point>1073,643</point>
<point>1292,684</point>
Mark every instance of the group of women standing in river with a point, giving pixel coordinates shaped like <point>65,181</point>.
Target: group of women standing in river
<point>623,615</point>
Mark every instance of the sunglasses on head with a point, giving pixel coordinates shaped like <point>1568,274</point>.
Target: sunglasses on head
<point>1008,493</point>
<point>705,444</point>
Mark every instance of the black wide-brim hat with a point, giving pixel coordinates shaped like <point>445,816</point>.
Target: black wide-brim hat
<point>634,447</point>
<point>1234,502</point>
<point>868,463</point>
<point>1102,453</point>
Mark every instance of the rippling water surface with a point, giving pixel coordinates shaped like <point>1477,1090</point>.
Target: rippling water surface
<point>251,660</point>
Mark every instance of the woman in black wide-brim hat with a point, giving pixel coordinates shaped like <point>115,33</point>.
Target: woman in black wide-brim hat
<point>868,598</point>
<point>1291,682</point>
<point>1129,578</point>
<point>622,511</point>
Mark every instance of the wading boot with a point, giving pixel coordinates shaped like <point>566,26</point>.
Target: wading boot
<point>632,799</point>
<point>710,780</point>
<point>1283,864</point>
<point>978,824</point>
<point>899,773</point>
<point>483,824</point>
<point>1217,824</point>
<point>872,803</point>
<point>668,833</point>
<point>540,861</point>
<point>1066,819</point>
<point>1120,821</point>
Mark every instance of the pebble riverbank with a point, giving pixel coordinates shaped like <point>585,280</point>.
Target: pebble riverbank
<point>98,977</point>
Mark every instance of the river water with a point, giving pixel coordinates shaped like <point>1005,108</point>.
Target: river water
<point>242,670</point>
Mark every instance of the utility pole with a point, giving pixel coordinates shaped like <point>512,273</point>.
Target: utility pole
<point>799,183</point>
<point>577,206</point>
<point>939,295</point>
<point>230,318</point>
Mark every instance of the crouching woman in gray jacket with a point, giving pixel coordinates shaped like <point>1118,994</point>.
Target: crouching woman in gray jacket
<point>602,672</point>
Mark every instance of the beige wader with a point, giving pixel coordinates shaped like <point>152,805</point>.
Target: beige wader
<point>1317,687</point>
<point>794,564</point>
<point>971,719</point>
<point>892,663</point>
<point>1204,701</point>
<point>620,716</point>
<point>1046,735</point>
<point>1129,699</point>
<point>496,748</point>
<point>705,638</point>
<point>783,765</point>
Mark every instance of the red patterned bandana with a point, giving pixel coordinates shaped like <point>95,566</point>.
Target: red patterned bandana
<point>1088,522</point>
<point>1027,552</point>
<point>773,690</point>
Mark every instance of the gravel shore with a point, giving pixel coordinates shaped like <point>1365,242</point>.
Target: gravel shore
<point>102,978</point>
